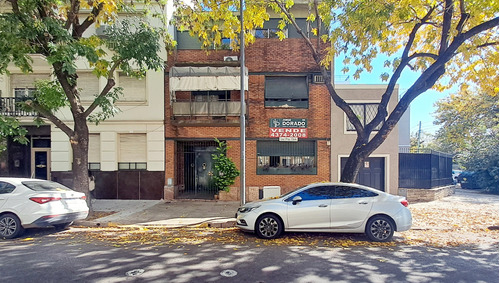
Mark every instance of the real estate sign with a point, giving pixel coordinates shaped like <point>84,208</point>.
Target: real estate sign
<point>287,129</point>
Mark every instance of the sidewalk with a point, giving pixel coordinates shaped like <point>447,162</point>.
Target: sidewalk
<point>178,213</point>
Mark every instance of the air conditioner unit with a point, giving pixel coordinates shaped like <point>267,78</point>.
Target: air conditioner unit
<point>230,58</point>
<point>318,79</point>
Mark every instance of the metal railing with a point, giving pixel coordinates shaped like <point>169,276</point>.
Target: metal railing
<point>206,108</point>
<point>9,106</point>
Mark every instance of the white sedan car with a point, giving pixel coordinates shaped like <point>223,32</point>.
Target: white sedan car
<point>30,203</point>
<point>328,207</point>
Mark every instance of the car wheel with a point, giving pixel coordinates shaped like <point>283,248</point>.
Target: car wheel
<point>63,226</point>
<point>268,226</point>
<point>379,229</point>
<point>10,226</point>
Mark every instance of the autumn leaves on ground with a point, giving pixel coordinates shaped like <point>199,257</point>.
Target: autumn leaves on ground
<point>452,221</point>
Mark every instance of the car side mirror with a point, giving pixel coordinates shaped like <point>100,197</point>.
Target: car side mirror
<point>296,200</point>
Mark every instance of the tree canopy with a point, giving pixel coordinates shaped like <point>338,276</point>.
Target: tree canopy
<point>456,40</point>
<point>59,31</point>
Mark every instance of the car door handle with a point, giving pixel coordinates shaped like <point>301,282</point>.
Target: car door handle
<point>363,202</point>
<point>323,205</point>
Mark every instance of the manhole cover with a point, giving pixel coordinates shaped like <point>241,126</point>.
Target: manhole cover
<point>228,273</point>
<point>135,272</point>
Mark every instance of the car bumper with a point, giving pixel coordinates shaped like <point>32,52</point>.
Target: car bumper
<point>246,221</point>
<point>50,220</point>
<point>403,220</point>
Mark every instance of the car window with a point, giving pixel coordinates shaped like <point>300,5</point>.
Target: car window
<point>6,188</point>
<point>350,192</point>
<point>45,186</point>
<point>315,193</point>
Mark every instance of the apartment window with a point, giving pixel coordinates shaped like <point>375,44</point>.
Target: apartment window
<point>88,84</point>
<point>268,33</point>
<point>365,112</point>
<point>94,152</point>
<point>221,95</point>
<point>24,85</point>
<point>286,91</point>
<point>134,89</point>
<point>132,152</point>
<point>286,158</point>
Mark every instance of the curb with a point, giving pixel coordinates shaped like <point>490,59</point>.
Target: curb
<point>217,223</point>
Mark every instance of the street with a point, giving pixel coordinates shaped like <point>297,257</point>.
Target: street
<point>86,255</point>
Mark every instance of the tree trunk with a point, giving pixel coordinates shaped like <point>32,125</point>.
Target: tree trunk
<point>80,145</point>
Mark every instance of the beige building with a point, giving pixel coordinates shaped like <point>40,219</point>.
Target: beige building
<point>381,169</point>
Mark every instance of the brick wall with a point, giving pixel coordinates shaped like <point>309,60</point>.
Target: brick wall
<point>264,57</point>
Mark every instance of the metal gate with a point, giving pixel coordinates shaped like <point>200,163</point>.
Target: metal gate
<point>371,173</point>
<point>195,169</point>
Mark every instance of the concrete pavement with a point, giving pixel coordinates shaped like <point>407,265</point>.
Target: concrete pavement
<point>178,213</point>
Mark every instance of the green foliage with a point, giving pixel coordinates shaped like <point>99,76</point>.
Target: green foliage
<point>107,106</point>
<point>469,129</point>
<point>10,127</point>
<point>225,170</point>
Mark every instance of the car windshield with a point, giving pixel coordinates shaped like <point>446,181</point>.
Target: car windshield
<point>291,192</point>
<point>40,186</point>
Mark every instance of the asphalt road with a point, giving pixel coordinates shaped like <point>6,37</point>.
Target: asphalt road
<point>47,257</point>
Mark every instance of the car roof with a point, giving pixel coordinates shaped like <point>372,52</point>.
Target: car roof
<point>16,180</point>
<point>354,185</point>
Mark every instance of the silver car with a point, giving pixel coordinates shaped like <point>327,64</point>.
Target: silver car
<point>328,207</point>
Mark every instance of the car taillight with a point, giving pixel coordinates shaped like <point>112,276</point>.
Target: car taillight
<point>83,197</point>
<point>405,203</point>
<point>42,200</point>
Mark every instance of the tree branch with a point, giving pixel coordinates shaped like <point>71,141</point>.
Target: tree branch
<point>464,16</point>
<point>405,60</point>
<point>447,18</point>
<point>109,85</point>
<point>78,30</point>
<point>51,117</point>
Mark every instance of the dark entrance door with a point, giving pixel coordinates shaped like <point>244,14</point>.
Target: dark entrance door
<point>196,179</point>
<point>372,172</point>
<point>41,163</point>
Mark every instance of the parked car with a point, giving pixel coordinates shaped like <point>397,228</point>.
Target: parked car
<point>454,174</point>
<point>31,203</point>
<point>469,180</point>
<point>328,207</point>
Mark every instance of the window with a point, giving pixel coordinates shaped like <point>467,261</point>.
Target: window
<point>88,84</point>
<point>286,91</point>
<point>268,33</point>
<point>24,85</point>
<point>133,89</point>
<point>133,150</point>
<point>220,95</point>
<point>94,152</point>
<point>365,112</point>
<point>6,188</point>
<point>350,192</point>
<point>316,193</point>
<point>286,158</point>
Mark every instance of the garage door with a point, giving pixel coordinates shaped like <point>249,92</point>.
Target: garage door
<point>372,172</point>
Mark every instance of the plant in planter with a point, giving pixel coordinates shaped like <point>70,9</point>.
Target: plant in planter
<point>225,170</point>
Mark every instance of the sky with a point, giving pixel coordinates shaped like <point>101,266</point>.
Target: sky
<point>421,109</point>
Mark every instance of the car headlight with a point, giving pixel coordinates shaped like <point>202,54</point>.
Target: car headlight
<point>245,209</point>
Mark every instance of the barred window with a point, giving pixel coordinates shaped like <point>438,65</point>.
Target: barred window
<point>286,158</point>
<point>365,112</point>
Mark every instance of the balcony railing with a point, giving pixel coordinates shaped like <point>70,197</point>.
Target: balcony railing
<point>9,106</point>
<point>206,108</point>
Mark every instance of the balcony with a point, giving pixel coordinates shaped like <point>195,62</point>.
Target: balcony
<point>203,113</point>
<point>9,106</point>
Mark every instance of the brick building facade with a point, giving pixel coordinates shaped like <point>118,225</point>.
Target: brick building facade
<point>267,59</point>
